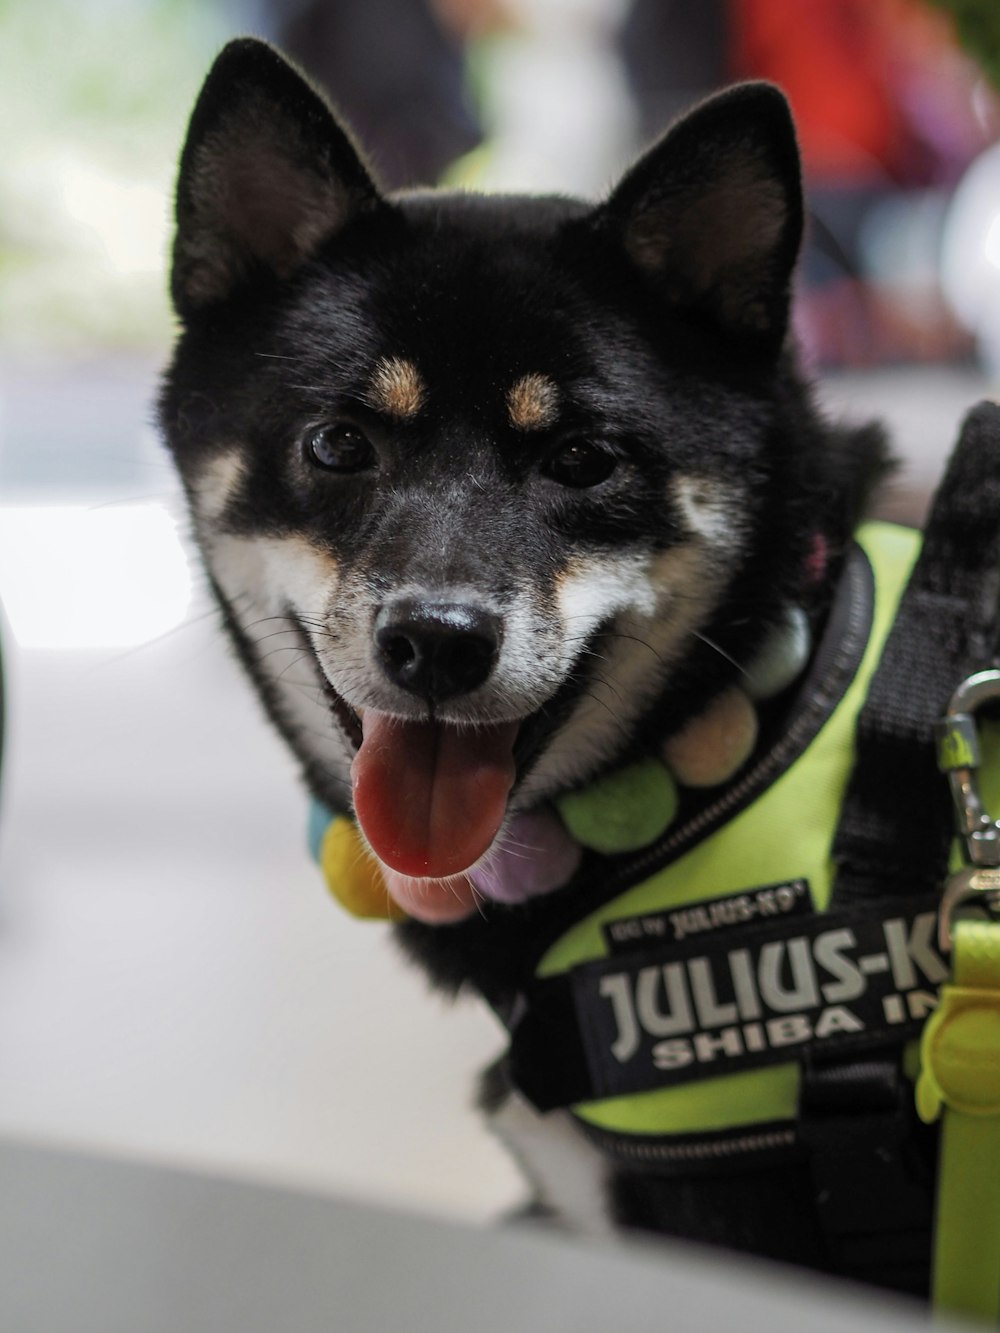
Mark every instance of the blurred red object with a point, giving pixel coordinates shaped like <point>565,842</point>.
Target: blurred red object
<point>880,91</point>
<point>886,106</point>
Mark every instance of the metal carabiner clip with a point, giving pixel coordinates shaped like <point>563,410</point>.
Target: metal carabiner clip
<point>959,756</point>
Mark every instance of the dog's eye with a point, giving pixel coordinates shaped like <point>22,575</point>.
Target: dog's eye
<point>581,463</point>
<point>342,447</point>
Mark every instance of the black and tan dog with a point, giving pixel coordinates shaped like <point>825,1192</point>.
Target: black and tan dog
<point>522,485</point>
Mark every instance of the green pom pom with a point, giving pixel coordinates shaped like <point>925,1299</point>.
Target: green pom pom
<point>622,811</point>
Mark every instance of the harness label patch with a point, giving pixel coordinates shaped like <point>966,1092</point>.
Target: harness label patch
<point>694,1007</point>
<point>633,933</point>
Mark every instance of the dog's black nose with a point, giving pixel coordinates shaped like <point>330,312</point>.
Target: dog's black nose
<point>436,649</point>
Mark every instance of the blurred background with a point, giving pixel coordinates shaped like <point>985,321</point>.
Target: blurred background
<point>173,983</point>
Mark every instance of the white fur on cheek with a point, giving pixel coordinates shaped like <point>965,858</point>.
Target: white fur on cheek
<point>594,589</point>
<point>216,483</point>
<point>299,573</point>
<point>261,577</point>
<point>634,667</point>
<point>712,510</point>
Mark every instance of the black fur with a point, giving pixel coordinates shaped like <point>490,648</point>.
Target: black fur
<point>662,315</point>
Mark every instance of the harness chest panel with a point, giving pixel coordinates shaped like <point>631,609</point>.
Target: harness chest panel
<point>758,968</point>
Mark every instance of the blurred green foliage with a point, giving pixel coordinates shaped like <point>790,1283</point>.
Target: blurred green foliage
<point>94,95</point>
<point>977,23</point>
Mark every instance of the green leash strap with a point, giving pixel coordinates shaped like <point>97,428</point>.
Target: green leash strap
<point>960,1080</point>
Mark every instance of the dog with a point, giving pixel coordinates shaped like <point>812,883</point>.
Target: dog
<point>497,495</point>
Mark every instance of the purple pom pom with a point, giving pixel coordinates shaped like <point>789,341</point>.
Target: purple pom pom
<point>533,855</point>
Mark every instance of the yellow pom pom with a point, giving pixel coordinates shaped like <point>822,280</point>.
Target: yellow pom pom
<point>353,875</point>
<point>714,745</point>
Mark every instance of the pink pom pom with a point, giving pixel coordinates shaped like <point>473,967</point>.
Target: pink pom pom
<point>817,560</point>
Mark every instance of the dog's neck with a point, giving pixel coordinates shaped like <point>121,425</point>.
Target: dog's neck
<point>631,807</point>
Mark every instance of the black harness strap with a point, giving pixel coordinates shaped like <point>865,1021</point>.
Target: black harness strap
<point>873,1183</point>
<point>871,1172</point>
<point>895,830</point>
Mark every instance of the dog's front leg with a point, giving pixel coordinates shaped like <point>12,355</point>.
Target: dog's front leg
<point>569,1179</point>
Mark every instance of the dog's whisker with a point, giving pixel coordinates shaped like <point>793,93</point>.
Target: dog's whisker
<point>709,643</point>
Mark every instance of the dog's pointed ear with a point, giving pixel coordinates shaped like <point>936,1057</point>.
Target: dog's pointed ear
<point>267,175</point>
<point>712,214</point>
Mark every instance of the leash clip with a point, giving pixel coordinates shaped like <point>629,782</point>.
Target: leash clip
<point>959,756</point>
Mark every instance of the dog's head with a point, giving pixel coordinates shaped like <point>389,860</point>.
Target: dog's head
<point>484,483</point>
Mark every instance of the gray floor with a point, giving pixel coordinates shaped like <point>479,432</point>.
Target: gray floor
<point>88,1246</point>
<point>174,985</point>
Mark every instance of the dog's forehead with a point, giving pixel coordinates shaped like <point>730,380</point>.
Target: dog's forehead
<point>397,388</point>
<point>475,306</point>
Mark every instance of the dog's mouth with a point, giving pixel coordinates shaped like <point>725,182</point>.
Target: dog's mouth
<point>431,798</point>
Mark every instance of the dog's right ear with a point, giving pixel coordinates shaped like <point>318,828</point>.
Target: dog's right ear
<point>267,175</point>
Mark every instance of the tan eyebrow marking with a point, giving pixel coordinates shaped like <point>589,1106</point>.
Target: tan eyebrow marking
<point>532,402</point>
<point>396,388</point>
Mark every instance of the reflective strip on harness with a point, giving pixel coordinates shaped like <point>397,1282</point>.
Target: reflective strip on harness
<point>833,982</point>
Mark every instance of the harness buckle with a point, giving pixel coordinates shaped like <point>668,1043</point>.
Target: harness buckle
<point>959,756</point>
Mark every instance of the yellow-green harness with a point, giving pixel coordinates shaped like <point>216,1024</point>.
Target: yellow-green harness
<point>630,1000</point>
<point>757,979</point>
<point>783,836</point>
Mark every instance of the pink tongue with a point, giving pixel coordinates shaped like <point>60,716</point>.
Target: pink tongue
<point>431,796</point>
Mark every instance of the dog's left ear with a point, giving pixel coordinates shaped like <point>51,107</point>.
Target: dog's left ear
<point>712,214</point>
